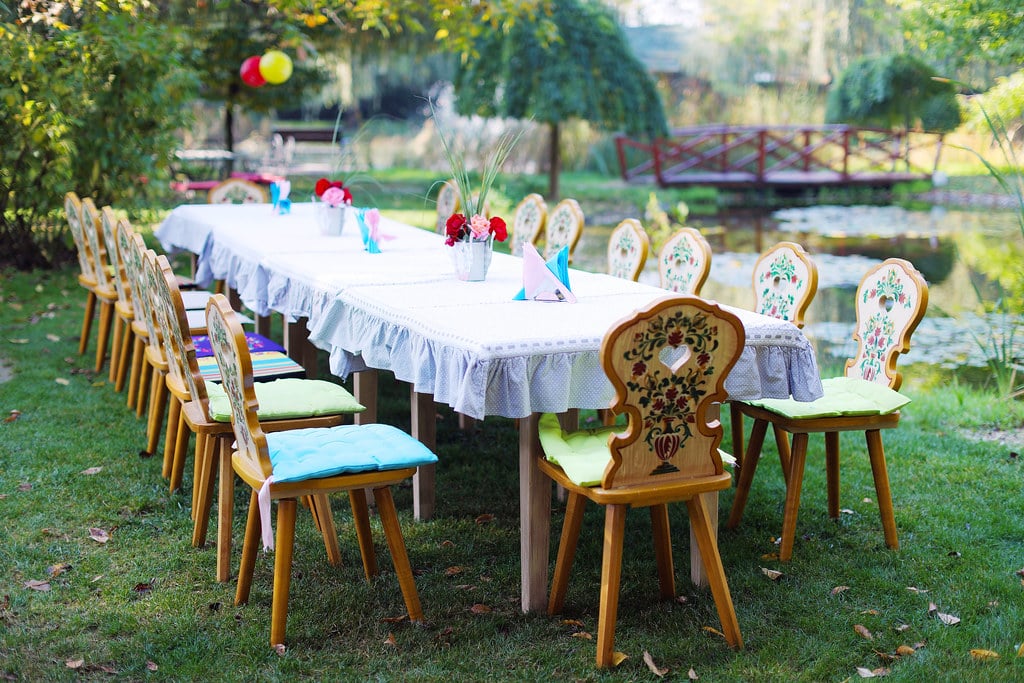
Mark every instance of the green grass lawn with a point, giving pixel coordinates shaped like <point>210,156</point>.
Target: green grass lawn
<point>145,605</point>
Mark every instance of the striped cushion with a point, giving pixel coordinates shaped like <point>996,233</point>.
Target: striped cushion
<point>256,343</point>
<point>266,365</point>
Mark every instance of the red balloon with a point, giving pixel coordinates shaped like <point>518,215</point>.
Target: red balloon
<point>250,72</point>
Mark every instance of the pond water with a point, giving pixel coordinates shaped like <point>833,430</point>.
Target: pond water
<point>960,253</point>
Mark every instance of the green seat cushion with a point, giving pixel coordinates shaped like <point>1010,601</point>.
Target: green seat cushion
<point>583,455</point>
<point>288,398</point>
<point>843,396</point>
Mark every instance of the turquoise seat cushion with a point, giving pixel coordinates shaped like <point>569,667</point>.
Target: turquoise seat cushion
<point>288,398</point>
<point>844,396</point>
<point>583,455</point>
<point>301,454</point>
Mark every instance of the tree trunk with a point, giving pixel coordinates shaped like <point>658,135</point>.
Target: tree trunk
<point>229,126</point>
<point>554,162</point>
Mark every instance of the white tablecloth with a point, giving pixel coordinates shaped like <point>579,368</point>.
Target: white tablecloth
<point>466,343</point>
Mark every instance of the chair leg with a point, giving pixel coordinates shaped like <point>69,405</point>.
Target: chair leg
<point>663,551</point>
<point>700,522</point>
<point>225,508</point>
<point>103,337</point>
<point>170,437</point>
<point>736,428</point>
<point>90,311</point>
<point>794,484</point>
<point>135,380</point>
<point>117,348</point>
<point>881,474</point>
<point>782,444</point>
<point>181,439</point>
<point>249,547</point>
<point>320,507</point>
<point>399,557</point>
<point>832,472</point>
<point>284,545</point>
<point>361,519</point>
<point>202,489</point>
<point>611,575</point>
<point>157,408</point>
<point>746,477</point>
<point>125,358</point>
<point>145,387</point>
<point>566,551</point>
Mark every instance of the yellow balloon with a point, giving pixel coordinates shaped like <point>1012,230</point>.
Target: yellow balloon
<point>275,67</point>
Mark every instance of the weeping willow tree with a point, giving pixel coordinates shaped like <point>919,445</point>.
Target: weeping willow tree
<point>584,69</point>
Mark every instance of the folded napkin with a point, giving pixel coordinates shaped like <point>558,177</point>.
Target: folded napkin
<point>279,191</point>
<point>545,281</point>
<point>369,228</point>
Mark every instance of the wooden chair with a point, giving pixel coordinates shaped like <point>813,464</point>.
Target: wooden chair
<point>668,451</point>
<point>447,204</point>
<point>684,262</point>
<point>106,294</point>
<point>86,269</point>
<point>563,228</point>
<point>121,351</point>
<point>345,458</point>
<point>785,280</point>
<point>285,404</point>
<point>237,191</point>
<point>528,222</point>
<point>891,300</point>
<point>627,250</point>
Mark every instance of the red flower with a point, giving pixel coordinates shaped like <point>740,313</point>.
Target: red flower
<point>639,368</point>
<point>499,229</point>
<point>675,338</point>
<point>323,183</point>
<point>455,228</point>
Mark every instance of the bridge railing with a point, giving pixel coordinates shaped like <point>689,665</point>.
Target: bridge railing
<point>754,155</point>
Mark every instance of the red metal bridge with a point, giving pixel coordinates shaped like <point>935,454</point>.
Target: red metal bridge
<point>780,157</point>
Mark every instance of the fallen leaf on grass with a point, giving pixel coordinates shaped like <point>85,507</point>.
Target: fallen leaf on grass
<point>52,337</point>
<point>40,585</point>
<point>390,640</point>
<point>863,632</point>
<point>618,658</point>
<point>55,570</point>
<point>953,553</point>
<point>280,649</point>
<point>905,650</point>
<point>15,414</point>
<point>74,663</point>
<point>92,470</point>
<point>947,619</point>
<point>983,655</point>
<point>1020,572</point>
<point>144,587</point>
<point>682,599</point>
<point>447,544</point>
<point>872,612</point>
<point>655,669</point>
<point>915,589</point>
<point>485,518</point>
<point>867,500</point>
<point>395,620</point>
<point>572,622</point>
<point>18,341</point>
<point>712,629</point>
<point>692,675</point>
<point>151,665</point>
<point>770,556</point>
<point>63,381</point>
<point>582,635</point>
<point>24,486</point>
<point>480,608</point>
<point>872,673</point>
<point>840,589</point>
<point>453,571</point>
<point>1020,650</point>
<point>98,535</point>
<point>772,574</point>
<point>847,511</point>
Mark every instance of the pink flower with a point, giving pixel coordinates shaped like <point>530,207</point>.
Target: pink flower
<point>479,226</point>
<point>336,196</point>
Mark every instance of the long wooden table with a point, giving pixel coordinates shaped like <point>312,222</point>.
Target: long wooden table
<point>464,344</point>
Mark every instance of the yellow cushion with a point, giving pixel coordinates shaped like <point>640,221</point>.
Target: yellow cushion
<point>843,396</point>
<point>583,455</point>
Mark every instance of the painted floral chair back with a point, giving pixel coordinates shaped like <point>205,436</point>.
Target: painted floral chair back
<point>627,250</point>
<point>232,353</point>
<point>785,281</point>
<point>668,365</point>
<point>109,223</point>
<point>73,211</point>
<point>170,315</point>
<point>447,204</point>
<point>684,262</point>
<point>891,301</point>
<point>564,227</point>
<point>237,191</point>
<point>97,251</point>
<point>127,250</point>
<point>528,222</point>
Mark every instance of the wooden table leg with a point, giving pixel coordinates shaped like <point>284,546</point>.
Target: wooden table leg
<point>263,325</point>
<point>364,388</point>
<point>424,430</point>
<point>534,518</point>
<point>300,350</point>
